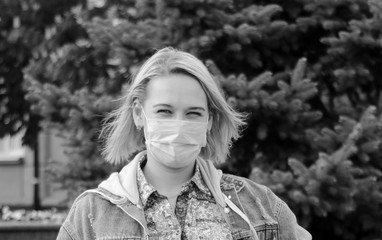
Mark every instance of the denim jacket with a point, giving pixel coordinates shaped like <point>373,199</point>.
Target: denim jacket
<point>114,210</point>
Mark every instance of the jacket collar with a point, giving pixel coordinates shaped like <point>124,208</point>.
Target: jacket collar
<point>123,186</point>
<point>124,183</point>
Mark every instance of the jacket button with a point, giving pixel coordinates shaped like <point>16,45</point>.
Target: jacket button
<point>229,196</point>
<point>226,210</point>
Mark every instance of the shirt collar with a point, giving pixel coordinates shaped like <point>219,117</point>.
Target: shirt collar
<point>199,182</point>
<point>146,189</point>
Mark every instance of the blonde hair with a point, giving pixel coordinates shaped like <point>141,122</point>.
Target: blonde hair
<point>122,138</point>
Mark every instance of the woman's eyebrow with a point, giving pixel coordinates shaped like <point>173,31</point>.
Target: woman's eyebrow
<point>197,108</point>
<point>162,105</point>
<point>169,106</point>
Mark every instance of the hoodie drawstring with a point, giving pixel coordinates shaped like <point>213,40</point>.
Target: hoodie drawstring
<point>241,214</point>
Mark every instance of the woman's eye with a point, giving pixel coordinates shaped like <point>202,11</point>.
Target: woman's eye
<point>164,111</point>
<point>195,114</point>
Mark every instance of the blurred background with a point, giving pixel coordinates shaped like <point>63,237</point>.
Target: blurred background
<point>307,72</point>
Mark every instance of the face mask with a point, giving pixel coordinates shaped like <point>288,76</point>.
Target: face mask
<point>175,143</point>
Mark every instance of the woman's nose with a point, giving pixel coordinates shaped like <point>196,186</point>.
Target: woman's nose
<point>179,116</point>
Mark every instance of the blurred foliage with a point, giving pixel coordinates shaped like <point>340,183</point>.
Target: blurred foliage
<point>307,72</point>
<point>23,25</point>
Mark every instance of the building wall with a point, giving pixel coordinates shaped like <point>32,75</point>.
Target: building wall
<point>16,180</point>
<point>51,149</point>
<point>17,171</point>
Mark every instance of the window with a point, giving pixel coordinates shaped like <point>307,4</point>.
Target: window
<point>11,149</point>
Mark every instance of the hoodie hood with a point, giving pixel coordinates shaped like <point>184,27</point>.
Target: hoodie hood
<point>124,184</point>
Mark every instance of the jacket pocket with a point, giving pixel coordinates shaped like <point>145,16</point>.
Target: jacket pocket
<point>268,232</point>
<point>242,234</point>
<point>264,232</point>
<point>119,238</point>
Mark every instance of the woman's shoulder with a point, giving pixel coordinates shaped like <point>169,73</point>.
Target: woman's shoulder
<point>82,207</point>
<point>250,191</point>
<point>97,212</point>
<point>259,200</point>
<point>239,183</point>
<point>90,202</point>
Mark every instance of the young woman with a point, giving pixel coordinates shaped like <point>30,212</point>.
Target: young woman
<point>175,114</point>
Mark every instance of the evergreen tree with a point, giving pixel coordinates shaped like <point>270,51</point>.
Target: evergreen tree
<point>23,26</point>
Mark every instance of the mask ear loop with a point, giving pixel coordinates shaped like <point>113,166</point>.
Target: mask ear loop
<point>144,114</point>
<point>210,118</point>
<point>139,127</point>
<point>143,111</point>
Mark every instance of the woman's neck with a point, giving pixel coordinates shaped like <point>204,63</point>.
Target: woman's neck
<point>167,181</point>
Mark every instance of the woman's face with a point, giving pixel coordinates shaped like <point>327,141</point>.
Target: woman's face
<point>176,96</point>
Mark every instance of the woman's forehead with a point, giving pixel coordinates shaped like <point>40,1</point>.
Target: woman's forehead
<point>175,89</point>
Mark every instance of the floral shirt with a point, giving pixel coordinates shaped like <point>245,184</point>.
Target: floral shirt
<point>197,216</point>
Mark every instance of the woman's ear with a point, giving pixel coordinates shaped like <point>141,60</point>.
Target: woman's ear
<point>137,115</point>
